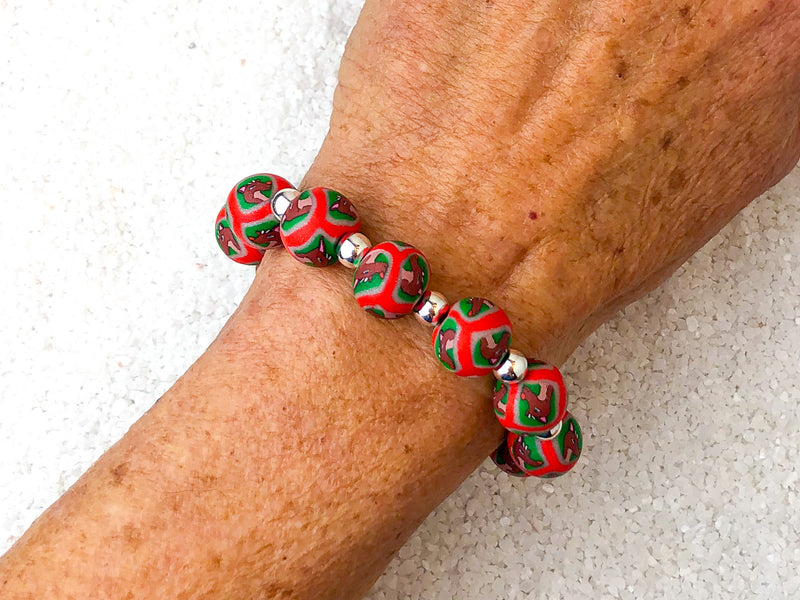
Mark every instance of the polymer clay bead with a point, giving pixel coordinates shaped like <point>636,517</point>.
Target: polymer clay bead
<point>473,338</point>
<point>533,405</point>
<point>250,213</point>
<point>390,279</point>
<point>547,456</point>
<point>231,245</point>
<point>314,223</point>
<point>504,462</point>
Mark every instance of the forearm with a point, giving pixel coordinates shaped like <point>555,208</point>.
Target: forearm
<point>292,460</point>
<point>303,448</point>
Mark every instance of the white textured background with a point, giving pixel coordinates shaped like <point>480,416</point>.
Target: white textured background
<point>123,125</point>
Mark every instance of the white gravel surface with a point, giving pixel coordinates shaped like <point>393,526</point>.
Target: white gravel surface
<point>122,125</point>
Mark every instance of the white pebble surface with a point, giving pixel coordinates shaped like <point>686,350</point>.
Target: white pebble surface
<point>122,126</point>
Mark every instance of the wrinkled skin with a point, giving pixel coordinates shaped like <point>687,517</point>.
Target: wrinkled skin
<point>559,157</point>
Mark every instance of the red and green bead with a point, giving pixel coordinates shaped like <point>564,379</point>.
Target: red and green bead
<point>502,458</point>
<point>533,405</point>
<point>250,210</point>
<point>547,457</point>
<point>473,338</point>
<point>314,223</point>
<point>231,245</point>
<point>390,279</point>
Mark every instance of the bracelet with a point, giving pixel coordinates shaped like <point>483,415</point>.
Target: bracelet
<point>471,337</point>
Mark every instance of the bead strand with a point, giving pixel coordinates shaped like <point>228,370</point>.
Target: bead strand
<point>470,338</point>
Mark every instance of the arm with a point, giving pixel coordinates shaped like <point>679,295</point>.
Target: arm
<point>219,486</point>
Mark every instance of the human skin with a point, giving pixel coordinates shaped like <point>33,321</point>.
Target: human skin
<point>632,130</point>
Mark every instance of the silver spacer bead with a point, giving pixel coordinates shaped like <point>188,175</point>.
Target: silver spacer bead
<point>549,435</point>
<point>281,201</point>
<point>352,248</point>
<point>513,368</point>
<point>432,308</point>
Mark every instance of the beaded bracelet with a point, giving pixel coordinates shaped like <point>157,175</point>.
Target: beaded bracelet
<point>470,337</point>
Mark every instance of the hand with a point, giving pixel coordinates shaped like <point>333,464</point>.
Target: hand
<point>562,159</point>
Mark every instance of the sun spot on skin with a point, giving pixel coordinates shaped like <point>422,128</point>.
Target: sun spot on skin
<point>685,12</point>
<point>682,82</point>
<point>622,69</point>
<point>207,479</point>
<point>118,473</point>
<point>132,536</point>
<point>666,141</point>
<point>677,180</point>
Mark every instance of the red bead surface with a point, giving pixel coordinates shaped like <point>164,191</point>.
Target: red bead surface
<point>315,222</point>
<point>250,210</point>
<point>231,245</point>
<point>390,279</point>
<point>547,457</point>
<point>533,405</point>
<point>504,462</point>
<point>473,338</point>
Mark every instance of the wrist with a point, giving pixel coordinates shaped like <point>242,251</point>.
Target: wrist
<point>550,306</point>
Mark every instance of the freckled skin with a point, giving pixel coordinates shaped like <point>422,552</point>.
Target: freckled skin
<point>453,123</point>
<point>649,123</point>
<point>118,473</point>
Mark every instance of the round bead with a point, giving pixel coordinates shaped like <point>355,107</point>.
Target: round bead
<point>250,210</point>
<point>315,222</point>
<point>281,201</point>
<point>513,368</point>
<point>547,456</point>
<point>504,462</point>
<point>390,279</point>
<point>352,249</point>
<point>473,338</point>
<point>533,405</point>
<point>231,245</point>
<point>431,308</point>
